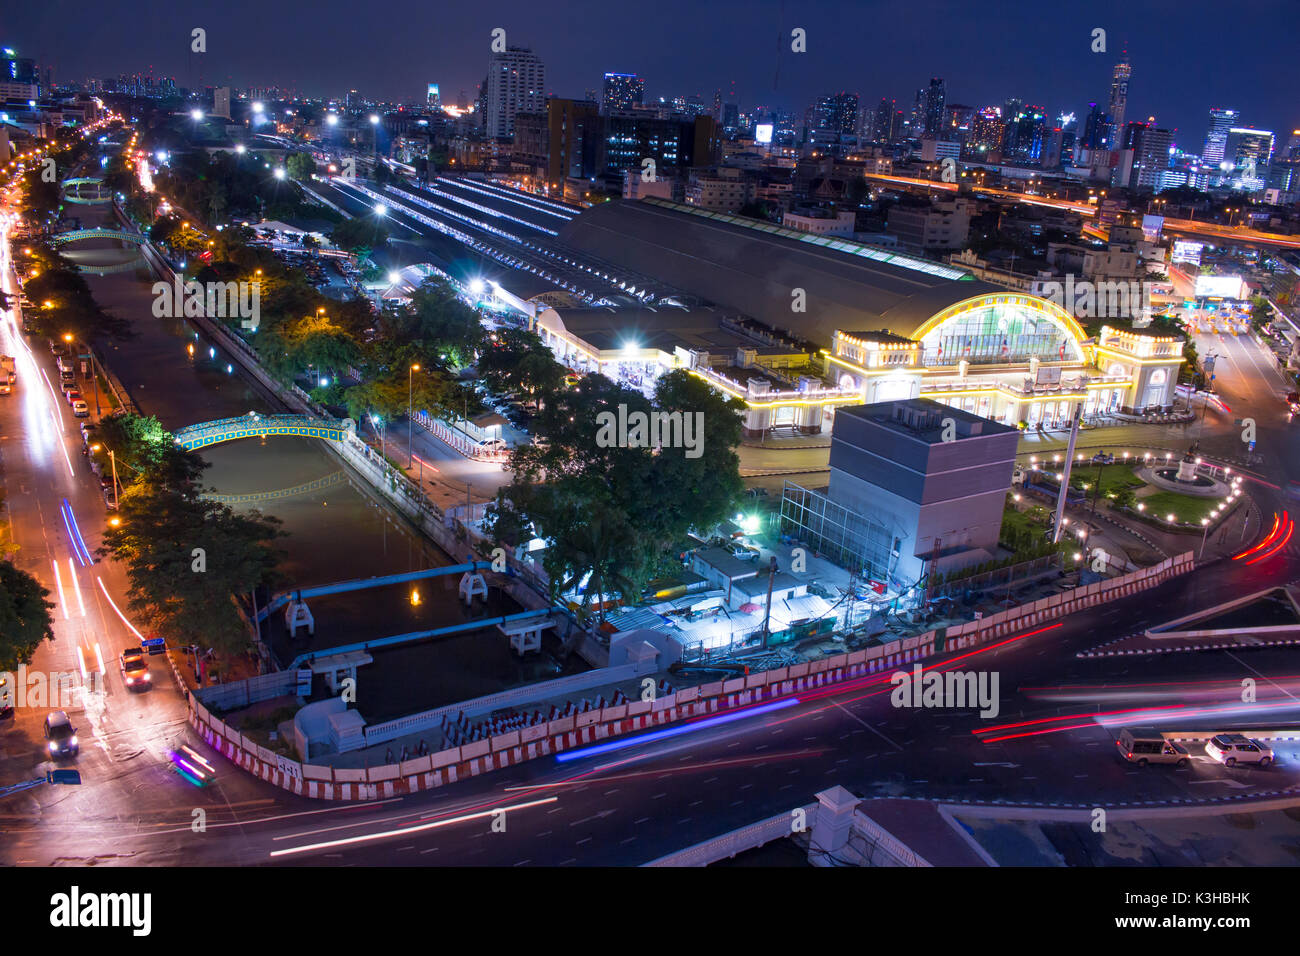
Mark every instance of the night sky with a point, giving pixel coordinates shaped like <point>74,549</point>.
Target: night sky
<point>1187,56</point>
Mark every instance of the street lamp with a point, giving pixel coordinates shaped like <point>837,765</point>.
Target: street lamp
<point>410,410</point>
<point>1205,523</point>
<point>113,458</point>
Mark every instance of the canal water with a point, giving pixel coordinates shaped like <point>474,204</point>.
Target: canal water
<point>336,529</point>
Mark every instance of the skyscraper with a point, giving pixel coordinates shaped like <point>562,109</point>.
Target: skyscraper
<point>1096,129</point>
<point>516,83</point>
<point>1216,139</point>
<point>1150,154</point>
<point>935,96</point>
<point>884,126</point>
<point>831,122</point>
<point>621,92</point>
<point>1118,100</point>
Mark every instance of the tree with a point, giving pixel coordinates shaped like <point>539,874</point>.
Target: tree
<point>642,498</point>
<point>517,360</point>
<point>186,558</point>
<point>363,232</point>
<point>300,165</point>
<point>25,618</point>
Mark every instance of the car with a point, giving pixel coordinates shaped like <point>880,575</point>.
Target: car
<point>1143,746</point>
<point>494,444</point>
<point>6,388</point>
<point>742,552</point>
<point>72,394</point>
<point>60,735</point>
<point>1232,749</point>
<point>6,698</point>
<point>135,669</point>
<point>80,409</point>
<point>88,432</point>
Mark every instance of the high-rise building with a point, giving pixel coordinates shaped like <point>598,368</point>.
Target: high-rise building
<point>884,127</point>
<point>573,140</point>
<point>1150,155</point>
<point>1216,138</point>
<point>221,102</point>
<point>621,92</point>
<point>1119,98</point>
<point>831,122</point>
<point>730,118</point>
<point>1025,134</point>
<point>1096,129</point>
<point>516,83</point>
<point>985,134</point>
<point>934,103</point>
<point>673,144</point>
<point>1248,152</point>
<point>434,97</point>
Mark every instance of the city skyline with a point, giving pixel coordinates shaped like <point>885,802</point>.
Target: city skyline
<point>696,63</point>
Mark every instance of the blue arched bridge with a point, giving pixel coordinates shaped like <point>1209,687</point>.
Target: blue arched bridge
<point>76,235</point>
<point>255,426</point>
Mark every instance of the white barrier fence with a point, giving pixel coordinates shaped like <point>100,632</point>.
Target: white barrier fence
<point>503,750</point>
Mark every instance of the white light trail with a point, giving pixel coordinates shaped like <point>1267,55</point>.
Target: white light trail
<point>119,613</point>
<point>72,567</point>
<point>58,580</point>
<point>346,841</point>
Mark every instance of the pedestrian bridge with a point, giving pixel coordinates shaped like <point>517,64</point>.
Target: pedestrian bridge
<point>253,425</point>
<point>76,235</point>
<point>71,191</point>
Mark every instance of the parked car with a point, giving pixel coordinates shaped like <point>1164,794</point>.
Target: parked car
<point>741,551</point>
<point>88,432</point>
<point>1232,749</point>
<point>494,444</point>
<point>80,409</point>
<point>72,394</point>
<point>6,388</point>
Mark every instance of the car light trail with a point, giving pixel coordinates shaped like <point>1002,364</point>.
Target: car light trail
<point>1263,544</point>
<point>76,532</point>
<point>884,676</point>
<point>76,586</point>
<point>119,613</point>
<point>675,731</point>
<point>81,662</point>
<point>99,657</point>
<point>198,759</point>
<point>72,538</point>
<point>63,603</point>
<point>386,834</point>
<point>1052,720</point>
<point>1159,714</point>
<point>1290,528</point>
<point>584,778</point>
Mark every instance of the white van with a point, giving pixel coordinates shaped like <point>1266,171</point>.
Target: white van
<point>1142,746</point>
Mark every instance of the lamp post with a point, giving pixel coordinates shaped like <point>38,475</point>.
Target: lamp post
<point>410,409</point>
<point>113,459</point>
<point>1205,524</point>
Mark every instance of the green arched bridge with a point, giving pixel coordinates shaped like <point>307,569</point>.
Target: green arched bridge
<point>76,235</point>
<point>255,426</point>
<point>71,191</point>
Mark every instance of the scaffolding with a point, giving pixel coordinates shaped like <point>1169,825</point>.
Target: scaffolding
<point>847,538</point>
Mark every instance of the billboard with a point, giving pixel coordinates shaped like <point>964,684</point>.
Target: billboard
<point>1187,251</point>
<point>1218,287</point>
<point>763,133</point>
<point>1152,226</point>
